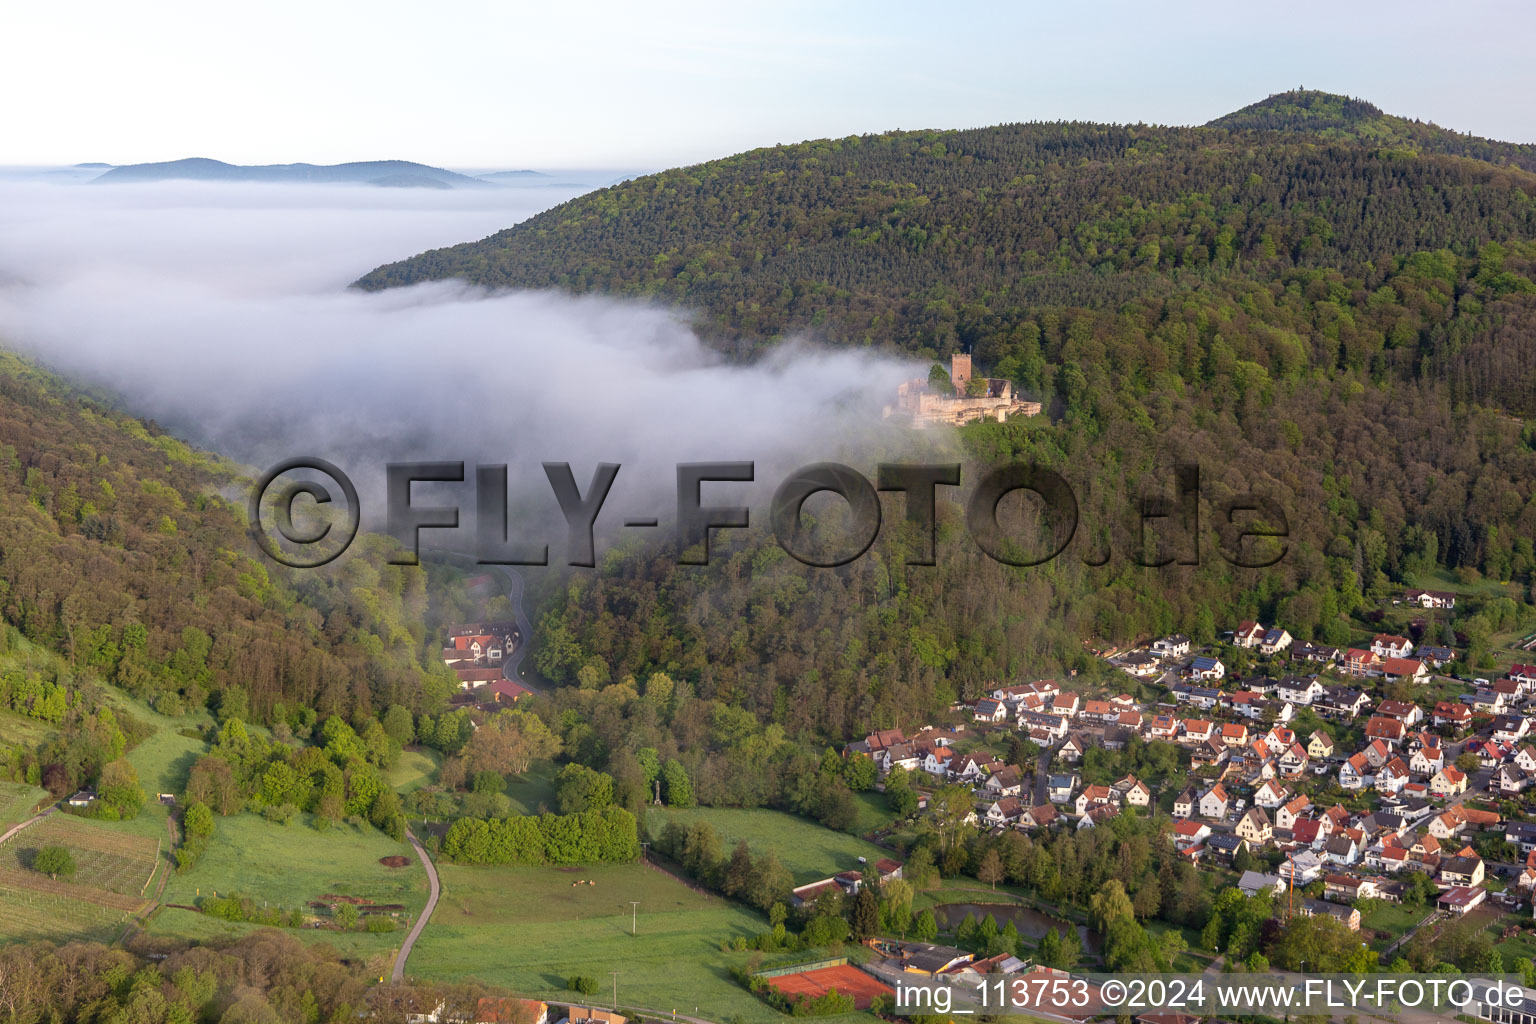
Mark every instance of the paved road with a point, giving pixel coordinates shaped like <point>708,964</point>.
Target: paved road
<point>435,890</point>
<point>511,665</point>
<point>1043,777</point>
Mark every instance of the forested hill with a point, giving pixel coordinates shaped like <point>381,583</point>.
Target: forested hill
<point>1340,319</point>
<point>122,551</point>
<point>1330,116</point>
<point>929,241</point>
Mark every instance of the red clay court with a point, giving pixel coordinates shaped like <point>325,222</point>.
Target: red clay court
<point>846,978</point>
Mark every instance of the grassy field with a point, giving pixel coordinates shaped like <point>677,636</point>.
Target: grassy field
<point>808,850</point>
<point>873,813</point>
<point>288,866</point>
<point>23,731</point>
<point>533,789</point>
<point>530,928</point>
<point>415,769</point>
<point>1394,919</point>
<point>17,802</point>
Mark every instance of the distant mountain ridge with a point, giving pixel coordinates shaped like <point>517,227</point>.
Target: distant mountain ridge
<point>385,173</point>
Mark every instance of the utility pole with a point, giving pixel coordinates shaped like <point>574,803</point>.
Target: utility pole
<point>645,851</point>
<point>634,917</point>
<point>615,989</point>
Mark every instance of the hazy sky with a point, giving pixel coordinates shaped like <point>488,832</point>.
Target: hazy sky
<point>498,83</point>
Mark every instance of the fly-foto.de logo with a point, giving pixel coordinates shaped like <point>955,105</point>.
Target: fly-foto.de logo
<point>1250,530</point>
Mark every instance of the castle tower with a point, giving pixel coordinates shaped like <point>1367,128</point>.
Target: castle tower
<point>960,370</point>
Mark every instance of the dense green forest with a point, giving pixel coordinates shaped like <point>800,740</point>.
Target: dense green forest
<point>1311,299</point>
<point>126,552</point>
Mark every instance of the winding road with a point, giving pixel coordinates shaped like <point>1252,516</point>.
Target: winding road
<point>513,661</point>
<point>435,890</point>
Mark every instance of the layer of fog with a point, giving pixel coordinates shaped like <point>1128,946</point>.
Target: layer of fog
<point>221,312</point>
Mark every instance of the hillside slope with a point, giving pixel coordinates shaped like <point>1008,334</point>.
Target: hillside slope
<point>1333,117</point>
<point>916,239</point>
<point>1337,319</point>
<point>121,549</point>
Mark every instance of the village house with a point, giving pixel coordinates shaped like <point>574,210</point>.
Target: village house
<point>1275,640</point>
<point>1189,834</point>
<point>936,761</point>
<point>1341,703</point>
<point>1270,795</point>
<point>1448,713</point>
<point>1206,668</point>
<point>1184,804</point>
<point>1072,749</point>
<point>1355,772</point>
<point>1444,826</point>
<point>1004,812</point>
<point>1252,883</point>
<point>1344,847</point>
<point>1510,728</point>
<point>1436,657</point>
<point>1059,788</point>
<point>1255,826</point>
<point>971,767</point>
<point>1411,670</point>
<point>1234,734</point>
<point>990,710</point>
<point>1053,726</point>
<point>1509,779</point>
<point>1461,898</point>
<point>1093,796</point>
<point>1042,816</point>
<point>1300,689</point>
<point>1385,645</point>
<point>1430,598</point>
<point>1302,868</point>
<point>1461,869</point>
<point>1223,846</point>
<point>1358,662</point>
<point>1319,744</point>
<point>1408,713</point>
<point>1287,814</point>
<point>1377,753</point>
<point>1448,782</point>
<point>1197,696</point>
<point>1304,651</point>
<point>1293,763</point>
<point>1213,803</point>
<point>1392,776</point>
<point>1098,711</point>
<point>1209,754</point>
<point>1003,782</point>
<point>1134,792</point>
<point>1349,917</point>
<point>1176,646</point>
<point>1141,664</point>
<point>1195,730</point>
<point>1427,761</point>
<point>1248,634</point>
<point>1389,730</point>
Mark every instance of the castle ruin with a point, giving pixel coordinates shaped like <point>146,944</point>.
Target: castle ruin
<point>918,402</point>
